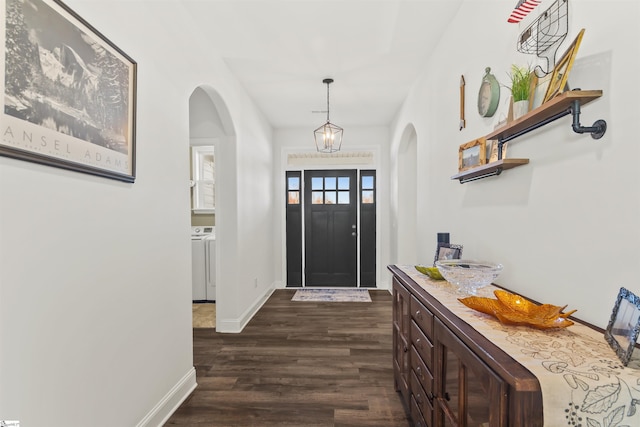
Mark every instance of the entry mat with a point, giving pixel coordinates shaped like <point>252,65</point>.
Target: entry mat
<point>332,295</point>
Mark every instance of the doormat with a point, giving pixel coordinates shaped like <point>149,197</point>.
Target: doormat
<point>332,295</point>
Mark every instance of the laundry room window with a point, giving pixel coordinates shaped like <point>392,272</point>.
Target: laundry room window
<point>203,178</point>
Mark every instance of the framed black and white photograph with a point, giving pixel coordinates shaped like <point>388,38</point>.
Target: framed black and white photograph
<point>624,325</point>
<point>447,251</point>
<point>70,93</point>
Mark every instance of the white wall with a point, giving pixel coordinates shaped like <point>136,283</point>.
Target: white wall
<point>95,317</point>
<point>566,225</point>
<point>294,140</point>
<point>405,225</point>
<point>95,275</point>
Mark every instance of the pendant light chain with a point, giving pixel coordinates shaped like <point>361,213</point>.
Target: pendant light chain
<point>328,102</point>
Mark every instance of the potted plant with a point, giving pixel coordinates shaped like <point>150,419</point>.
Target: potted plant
<point>521,78</point>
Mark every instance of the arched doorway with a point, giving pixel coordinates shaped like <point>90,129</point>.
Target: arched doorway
<point>210,124</point>
<point>407,196</point>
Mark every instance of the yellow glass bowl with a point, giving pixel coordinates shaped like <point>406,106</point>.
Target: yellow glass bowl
<point>512,309</point>
<point>432,272</point>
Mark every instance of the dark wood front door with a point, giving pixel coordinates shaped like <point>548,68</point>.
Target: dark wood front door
<point>330,205</point>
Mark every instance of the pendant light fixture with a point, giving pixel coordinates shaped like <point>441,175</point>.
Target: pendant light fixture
<point>328,137</point>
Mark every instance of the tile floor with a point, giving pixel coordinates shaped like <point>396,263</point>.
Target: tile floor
<point>204,315</point>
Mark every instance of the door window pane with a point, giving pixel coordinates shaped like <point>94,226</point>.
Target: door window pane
<point>294,198</point>
<point>330,197</point>
<point>330,183</point>
<point>367,196</point>
<point>343,183</point>
<point>343,197</point>
<point>316,183</point>
<point>368,188</point>
<point>317,197</point>
<point>294,183</point>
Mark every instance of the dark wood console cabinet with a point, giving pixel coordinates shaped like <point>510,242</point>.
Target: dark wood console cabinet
<point>448,374</point>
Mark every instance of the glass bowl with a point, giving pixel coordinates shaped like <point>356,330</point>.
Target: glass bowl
<point>468,275</point>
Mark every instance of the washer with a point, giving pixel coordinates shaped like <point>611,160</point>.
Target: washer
<point>203,263</point>
<point>210,265</point>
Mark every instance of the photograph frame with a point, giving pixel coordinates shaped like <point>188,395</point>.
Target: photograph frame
<point>446,250</point>
<point>624,325</point>
<point>493,157</point>
<point>70,100</point>
<point>538,91</point>
<point>472,154</point>
<point>560,74</point>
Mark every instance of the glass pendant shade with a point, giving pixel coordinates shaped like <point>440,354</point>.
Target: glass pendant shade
<point>328,137</point>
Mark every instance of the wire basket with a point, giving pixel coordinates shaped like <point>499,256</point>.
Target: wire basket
<point>545,35</point>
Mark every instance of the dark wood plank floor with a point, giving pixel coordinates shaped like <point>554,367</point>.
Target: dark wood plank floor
<point>300,364</point>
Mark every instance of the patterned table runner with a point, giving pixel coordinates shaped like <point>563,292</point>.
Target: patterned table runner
<point>583,382</point>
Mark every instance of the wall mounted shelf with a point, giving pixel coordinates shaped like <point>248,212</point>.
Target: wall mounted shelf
<point>559,106</point>
<point>490,169</point>
<point>562,105</point>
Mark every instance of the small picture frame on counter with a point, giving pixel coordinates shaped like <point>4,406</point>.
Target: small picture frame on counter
<point>447,251</point>
<point>624,325</point>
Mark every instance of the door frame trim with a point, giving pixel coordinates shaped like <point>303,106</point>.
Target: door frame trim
<point>364,158</point>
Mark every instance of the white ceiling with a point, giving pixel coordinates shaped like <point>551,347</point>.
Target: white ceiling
<point>281,50</point>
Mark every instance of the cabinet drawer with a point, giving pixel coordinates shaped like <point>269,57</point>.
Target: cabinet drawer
<point>422,344</point>
<point>422,372</point>
<point>422,316</point>
<point>422,401</point>
<point>402,366</point>
<point>416,415</point>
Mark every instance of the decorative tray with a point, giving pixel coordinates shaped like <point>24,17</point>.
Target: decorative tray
<point>512,309</point>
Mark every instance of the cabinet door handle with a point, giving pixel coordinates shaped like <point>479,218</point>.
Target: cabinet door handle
<point>419,372</point>
<point>419,398</point>
<point>405,349</point>
<point>418,314</point>
<point>430,396</point>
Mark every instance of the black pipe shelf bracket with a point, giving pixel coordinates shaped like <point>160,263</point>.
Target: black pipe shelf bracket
<point>598,129</point>
<point>490,169</point>
<point>562,105</point>
<point>530,128</point>
<point>496,172</point>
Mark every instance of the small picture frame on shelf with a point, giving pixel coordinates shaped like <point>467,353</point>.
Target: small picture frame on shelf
<point>624,325</point>
<point>560,73</point>
<point>494,151</point>
<point>538,90</point>
<point>472,154</point>
<point>447,251</point>
<point>488,148</point>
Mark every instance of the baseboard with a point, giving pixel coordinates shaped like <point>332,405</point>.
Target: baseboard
<point>235,326</point>
<point>171,401</point>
